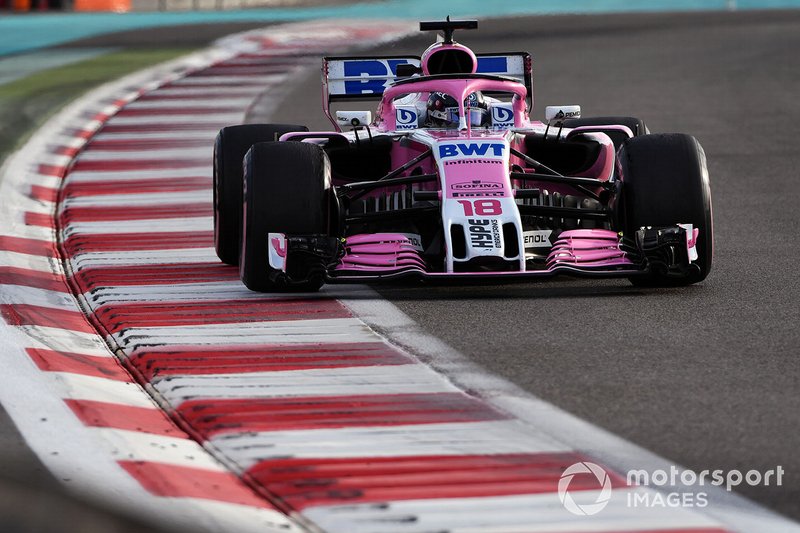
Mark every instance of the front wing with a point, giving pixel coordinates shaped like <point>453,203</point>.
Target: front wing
<point>585,252</point>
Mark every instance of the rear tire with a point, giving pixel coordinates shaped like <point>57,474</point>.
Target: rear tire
<point>665,182</point>
<point>287,188</point>
<point>230,146</point>
<point>636,125</point>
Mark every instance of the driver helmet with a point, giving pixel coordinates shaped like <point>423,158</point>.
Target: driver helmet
<point>443,110</point>
<point>477,108</point>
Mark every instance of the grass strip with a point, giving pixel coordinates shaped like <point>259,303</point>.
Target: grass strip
<point>25,104</point>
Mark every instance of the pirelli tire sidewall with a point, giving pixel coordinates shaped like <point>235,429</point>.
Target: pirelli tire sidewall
<point>230,146</point>
<point>287,189</point>
<point>664,181</point>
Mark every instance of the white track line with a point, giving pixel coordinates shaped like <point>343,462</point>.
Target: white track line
<point>149,257</point>
<point>177,293</point>
<point>201,154</point>
<point>148,199</point>
<point>194,133</point>
<point>62,340</point>
<point>160,120</point>
<point>160,225</point>
<point>334,330</point>
<point>80,387</point>
<point>139,446</point>
<point>225,101</point>
<point>244,81</point>
<point>363,380</point>
<point>22,295</point>
<point>26,261</point>
<point>92,176</point>
<point>455,439</point>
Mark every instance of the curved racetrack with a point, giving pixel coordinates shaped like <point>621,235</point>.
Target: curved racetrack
<point>146,374</point>
<point>706,376</point>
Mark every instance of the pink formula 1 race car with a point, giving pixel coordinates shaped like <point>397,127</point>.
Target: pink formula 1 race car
<point>453,180</point>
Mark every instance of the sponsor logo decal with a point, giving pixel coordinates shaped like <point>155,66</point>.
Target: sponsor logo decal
<point>371,76</point>
<point>473,162</point>
<point>502,117</point>
<point>539,238</point>
<point>406,119</point>
<point>561,115</point>
<point>367,69</point>
<point>483,149</point>
<point>476,188</point>
<point>691,240</point>
<point>484,233</point>
<point>476,185</point>
<point>415,239</point>
<point>276,247</point>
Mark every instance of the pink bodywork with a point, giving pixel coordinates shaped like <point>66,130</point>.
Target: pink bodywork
<point>587,248</point>
<point>380,252</point>
<point>456,175</point>
<point>436,48</point>
<point>459,89</point>
<point>390,253</point>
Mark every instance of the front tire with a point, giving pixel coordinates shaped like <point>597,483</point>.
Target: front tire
<point>665,182</point>
<point>230,146</point>
<point>287,189</point>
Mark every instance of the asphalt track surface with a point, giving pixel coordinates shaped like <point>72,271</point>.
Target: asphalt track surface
<point>706,376</point>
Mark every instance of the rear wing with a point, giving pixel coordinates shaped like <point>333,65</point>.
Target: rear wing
<point>365,78</point>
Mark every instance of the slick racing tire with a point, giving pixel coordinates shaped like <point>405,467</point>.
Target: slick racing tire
<point>229,148</point>
<point>636,125</point>
<point>287,189</point>
<point>665,182</point>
